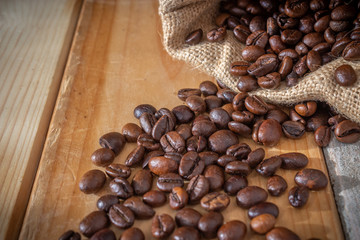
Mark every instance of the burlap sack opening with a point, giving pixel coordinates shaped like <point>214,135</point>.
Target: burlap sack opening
<point>180,17</point>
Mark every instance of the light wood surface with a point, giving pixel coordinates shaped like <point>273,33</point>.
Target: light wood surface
<point>116,62</point>
<point>35,38</point>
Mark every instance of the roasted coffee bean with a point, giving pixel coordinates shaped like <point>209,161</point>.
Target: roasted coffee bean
<point>225,159</point>
<point>208,88</point>
<point>270,81</point>
<point>203,128</point>
<point>135,157</point>
<point>221,19</point>
<point>154,198</point>
<point>313,179</point>
<point>191,165</point>
<point>186,233</point>
<point>322,136</point>
<point>271,26</point>
<point>161,127</point>
<point>276,44</point>
<point>306,24</point>
<point>241,33</point>
<point>300,66</point>
<point>166,182</point>
<point>352,51</point>
<point>209,223</point>
<point>276,185</point>
<point>215,201</point>
<point>115,170</point>
<point>162,226</point>
<point>161,165</point>
<point>240,151</point>
<point>263,223</point>
<point>114,141</point>
<point>239,68</point>
<point>132,233</point>
<point>187,217</point>
<point>70,235</point>
<point>121,187</point>
<point>196,143</point>
<point>255,157</point>
<point>92,181</point>
<point>106,201</point>
<point>289,52</point>
<point>147,122</point>
<point>239,101</point>
<point>313,60</point>
<point>197,188</point>
<point>184,130</point>
<point>292,79</point>
<point>93,222</point>
<point>239,128</point>
<point>294,116</point>
<point>194,37</point>
<point>347,132</point>
<point>121,216</point>
<point>293,160</point>
<point>172,142</point>
<point>221,140</point>
<point>226,95</point>
<point>262,208</point>
<point>301,49</point>
<point>322,24</point>
<point>256,105</point>
<point>296,8</point>
<point>312,39</point>
<point>254,8</point>
<point>293,129</point>
<point>278,233</point>
<point>291,36</point>
<point>183,114</point>
<point>268,133</point>
<point>329,36</point>
<point>265,64</point>
<point>247,83</point>
<point>345,75</point>
<point>285,22</point>
<point>343,12</point>
<point>339,46</point>
<point>148,142</point>
<point>252,53</point>
<point>140,109</point>
<point>318,119</point>
<point>106,233</point>
<point>268,166</point>
<point>178,198</point>
<point>306,109</point>
<point>215,176</point>
<point>257,23</point>
<point>232,230</point>
<point>250,196</point>
<point>142,182</point>
<point>322,48</point>
<point>335,120</point>
<point>216,34</point>
<point>244,117</point>
<point>102,157</point>
<point>220,117</point>
<point>209,157</point>
<point>171,117</point>
<point>257,38</point>
<point>131,132</point>
<point>184,93</point>
<point>237,168</point>
<point>278,115</point>
<point>298,196</point>
<point>139,208</point>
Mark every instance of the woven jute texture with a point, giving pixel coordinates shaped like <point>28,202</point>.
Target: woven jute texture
<point>180,17</point>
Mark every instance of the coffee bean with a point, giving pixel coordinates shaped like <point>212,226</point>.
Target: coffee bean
<point>257,23</point>
<point>184,130</point>
<point>351,51</point>
<point>92,181</point>
<point>335,120</point>
<point>252,53</point>
<point>197,188</point>
<point>276,185</point>
<point>263,223</point>
<point>142,182</point>
<point>296,8</point>
<point>102,157</point>
<point>191,165</point>
<point>178,198</point>
<point>262,208</point>
<point>244,117</point>
<point>313,60</point>
<point>268,133</point>
<point>121,187</point>
<point>184,93</point>
<point>166,182</point>
<point>294,116</point>
<point>339,46</point>
<point>135,157</point>
<point>115,170</point>
<point>194,37</point>
<point>93,222</point>
<point>147,122</point>
<point>107,234</point>
<point>257,38</point>
<point>208,88</point>
<point>215,201</point>
<point>187,217</point>
<point>162,226</point>
<point>240,151</point>
<point>114,141</point>
<point>239,68</point>
<point>209,223</point>
<point>221,140</point>
<point>293,160</point>
<point>232,230</point>
<point>306,109</point>
<point>239,128</point>
<point>277,115</point>
<point>212,102</point>
<point>239,101</point>
<point>106,201</point>
<point>237,168</point>
<point>329,35</point>
<point>345,75</point>
<point>221,19</point>
<point>70,235</point>
<point>255,157</point>
<point>250,196</point>
<point>301,49</point>
<point>271,26</point>
<point>225,159</point>
<point>292,79</point>
<point>256,105</point>
<point>285,22</point>
<point>140,109</point>
<point>270,81</point>
<point>312,39</point>
<point>269,166</point>
<point>131,132</point>
<point>322,48</point>
<point>154,198</point>
<point>300,66</point>
<point>161,127</point>
<point>343,12</point>
<point>148,142</point>
<point>298,196</point>
<point>322,136</point>
<point>186,233</point>
<point>247,84</point>
<point>226,95</point>
<point>241,33</point>
<point>276,44</point>
<point>132,233</point>
<point>215,176</point>
<point>139,208</point>
<point>347,132</point>
<point>209,157</point>
<point>291,36</point>
<point>220,117</point>
<point>196,143</point>
<point>322,24</point>
<point>172,142</point>
<point>216,34</point>
<point>293,129</point>
<point>265,64</point>
<point>121,216</point>
<point>183,114</point>
<point>278,233</point>
<point>161,165</point>
<point>315,121</point>
<point>306,24</point>
<point>203,128</point>
<point>313,179</point>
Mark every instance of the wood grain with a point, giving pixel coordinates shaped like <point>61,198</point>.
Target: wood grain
<point>116,62</point>
<point>35,38</point>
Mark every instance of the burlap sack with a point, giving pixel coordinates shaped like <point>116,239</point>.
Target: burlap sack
<point>180,17</point>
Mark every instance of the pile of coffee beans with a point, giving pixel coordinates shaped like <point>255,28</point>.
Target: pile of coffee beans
<point>287,39</point>
<point>193,154</point>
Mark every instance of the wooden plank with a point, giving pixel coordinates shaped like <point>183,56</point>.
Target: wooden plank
<point>117,61</point>
<point>35,38</point>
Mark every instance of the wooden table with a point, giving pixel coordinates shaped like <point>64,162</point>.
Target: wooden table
<point>116,61</point>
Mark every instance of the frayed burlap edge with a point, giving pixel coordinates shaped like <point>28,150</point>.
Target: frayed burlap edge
<point>180,17</point>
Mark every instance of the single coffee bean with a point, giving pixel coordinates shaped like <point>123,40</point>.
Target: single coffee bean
<point>271,26</point>
<point>178,198</point>
<point>258,38</point>
<point>115,170</point>
<point>209,157</point>
<point>262,208</point>
<point>209,223</point>
<point>293,129</point>
<point>278,233</point>
<point>239,68</point>
<point>322,24</point>
<point>184,93</point>
<point>220,117</point>
<point>92,181</point>
<point>121,187</point>
<point>161,127</point>
<point>250,196</point>
<point>306,24</point>
<point>140,109</point>
<point>347,132</point>
<point>194,37</point>
<point>135,157</point>
<point>322,136</point>
<point>232,230</point>
<point>237,168</point>
<point>313,179</point>
<point>335,120</point>
<point>197,188</point>
<point>203,128</point>
<point>215,176</point>
<point>148,142</point>
<point>263,223</point>
<point>247,84</point>
<point>191,165</point>
<point>291,36</point>
<point>154,198</point>
<point>322,48</point>
<point>172,142</point>
<point>257,23</point>
<point>139,208</point>
<point>293,160</point>
<point>161,165</point>
<point>215,201</point>
<point>278,115</point>
<point>343,12</point>
<point>131,132</point>
<point>162,226</point>
<point>285,22</point>
<point>289,52</point>
<point>184,130</point>
<point>294,116</point>
<point>196,144</point>
<point>329,35</point>
<point>269,166</point>
<point>345,75</point>
<point>147,122</point>
<point>255,157</point>
<point>183,114</point>
<point>276,185</point>
<point>166,182</point>
<point>313,60</point>
<point>256,105</point>
<point>232,22</point>
<point>339,46</point>
<point>292,79</point>
<point>106,201</point>
<point>186,233</point>
<point>216,34</point>
<point>296,8</point>
<point>221,19</point>
<point>301,49</point>
<point>70,235</point>
<point>241,33</point>
<point>351,51</point>
<point>226,95</point>
<point>312,39</point>
<point>265,64</point>
<point>225,159</point>
<point>270,81</point>
<point>239,101</point>
<point>221,140</point>
<point>306,109</point>
<point>142,182</point>
<point>276,44</point>
<point>132,233</point>
<point>114,141</point>
<point>240,151</point>
<point>171,117</point>
<point>315,121</point>
<point>187,217</point>
<point>252,53</point>
<point>239,128</point>
<point>103,157</point>
<point>244,117</point>
<point>268,133</point>
<point>93,222</point>
<point>300,66</point>
<point>121,216</point>
<point>298,196</point>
